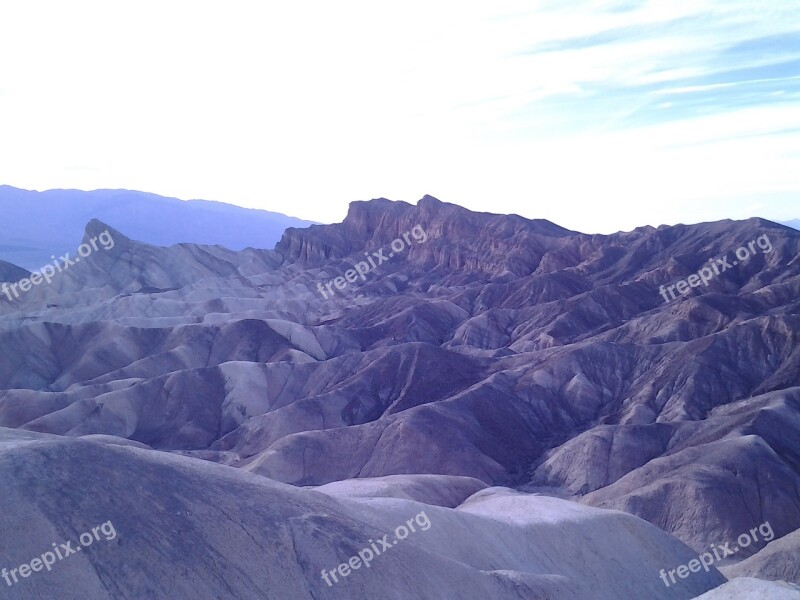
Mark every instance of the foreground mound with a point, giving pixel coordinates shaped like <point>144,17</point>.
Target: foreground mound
<point>186,528</point>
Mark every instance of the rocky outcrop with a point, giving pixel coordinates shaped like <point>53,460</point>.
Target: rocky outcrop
<point>506,350</point>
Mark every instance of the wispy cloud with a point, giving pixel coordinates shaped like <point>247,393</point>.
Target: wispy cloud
<point>647,64</point>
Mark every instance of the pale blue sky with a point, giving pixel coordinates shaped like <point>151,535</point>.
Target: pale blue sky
<point>598,115</point>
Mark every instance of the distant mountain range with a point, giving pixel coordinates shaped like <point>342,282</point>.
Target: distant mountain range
<point>795,223</point>
<point>37,225</point>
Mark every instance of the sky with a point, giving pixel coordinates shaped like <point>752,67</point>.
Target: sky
<point>598,115</point>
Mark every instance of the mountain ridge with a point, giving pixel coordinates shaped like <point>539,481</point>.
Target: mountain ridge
<point>51,222</point>
<point>493,348</point>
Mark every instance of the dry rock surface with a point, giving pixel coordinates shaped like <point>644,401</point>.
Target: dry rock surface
<point>178,390</point>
